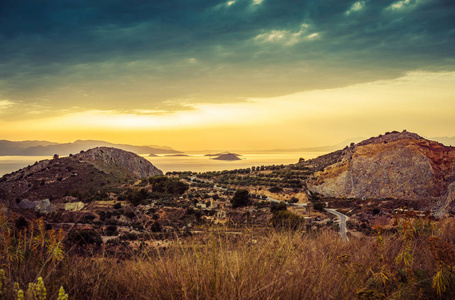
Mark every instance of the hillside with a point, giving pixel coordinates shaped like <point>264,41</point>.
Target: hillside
<point>44,148</point>
<point>395,165</point>
<point>90,172</point>
<point>108,235</point>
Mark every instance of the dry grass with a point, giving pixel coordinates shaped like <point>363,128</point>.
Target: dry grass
<point>268,264</point>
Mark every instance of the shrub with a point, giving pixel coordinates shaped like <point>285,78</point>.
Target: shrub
<point>275,189</point>
<point>319,206</point>
<point>293,200</point>
<point>163,184</point>
<point>287,220</point>
<point>240,198</point>
<point>84,237</point>
<point>276,207</point>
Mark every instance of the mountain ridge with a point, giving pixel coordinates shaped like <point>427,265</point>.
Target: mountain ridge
<point>45,148</point>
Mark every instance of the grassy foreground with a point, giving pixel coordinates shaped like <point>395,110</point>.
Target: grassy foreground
<point>413,260</point>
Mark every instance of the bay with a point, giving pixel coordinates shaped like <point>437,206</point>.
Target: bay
<point>195,162</point>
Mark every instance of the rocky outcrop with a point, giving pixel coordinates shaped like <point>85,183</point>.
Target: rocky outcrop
<point>395,165</point>
<point>114,160</point>
<point>43,206</point>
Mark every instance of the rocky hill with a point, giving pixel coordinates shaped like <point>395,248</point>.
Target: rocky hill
<point>87,173</point>
<point>397,165</point>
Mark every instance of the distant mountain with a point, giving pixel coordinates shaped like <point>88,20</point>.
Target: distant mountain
<point>448,141</point>
<point>44,148</point>
<point>12,148</point>
<point>320,148</point>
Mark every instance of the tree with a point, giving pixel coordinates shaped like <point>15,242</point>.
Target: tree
<point>275,189</point>
<point>240,198</point>
<point>318,206</point>
<point>276,207</point>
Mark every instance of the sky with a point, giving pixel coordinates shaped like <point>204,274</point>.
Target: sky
<point>238,74</point>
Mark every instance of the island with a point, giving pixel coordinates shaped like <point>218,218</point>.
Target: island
<point>227,156</point>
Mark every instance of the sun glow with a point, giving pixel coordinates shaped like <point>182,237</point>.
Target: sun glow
<point>317,117</point>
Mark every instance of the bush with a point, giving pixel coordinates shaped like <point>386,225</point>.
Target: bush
<point>287,220</point>
<point>275,189</point>
<point>84,237</point>
<point>163,184</point>
<point>293,200</point>
<point>276,207</point>
<point>240,198</point>
<point>319,206</point>
<point>111,230</point>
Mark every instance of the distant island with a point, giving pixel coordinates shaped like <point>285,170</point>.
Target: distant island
<point>221,153</point>
<point>152,155</point>
<point>227,156</point>
<point>177,155</point>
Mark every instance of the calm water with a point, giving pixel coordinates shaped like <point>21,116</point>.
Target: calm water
<point>201,163</point>
<point>193,162</point>
<point>10,164</point>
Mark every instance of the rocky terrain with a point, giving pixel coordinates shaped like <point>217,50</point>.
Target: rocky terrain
<point>395,165</point>
<point>86,174</point>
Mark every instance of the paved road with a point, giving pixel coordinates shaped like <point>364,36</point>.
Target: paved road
<point>343,219</point>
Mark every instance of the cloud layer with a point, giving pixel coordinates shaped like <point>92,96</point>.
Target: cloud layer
<point>158,56</point>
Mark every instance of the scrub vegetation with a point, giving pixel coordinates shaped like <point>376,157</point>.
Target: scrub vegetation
<point>414,259</point>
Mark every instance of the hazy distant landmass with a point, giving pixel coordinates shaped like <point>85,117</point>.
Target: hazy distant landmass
<point>448,141</point>
<point>179,154</point>
<point>221,153</point>
<point>45,148</point>
<point>319,148</point>
<point>227,156</point>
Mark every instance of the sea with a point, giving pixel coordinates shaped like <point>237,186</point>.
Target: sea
<point>194,162</point>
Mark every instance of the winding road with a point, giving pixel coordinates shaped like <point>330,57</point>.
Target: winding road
<point>343,219</point>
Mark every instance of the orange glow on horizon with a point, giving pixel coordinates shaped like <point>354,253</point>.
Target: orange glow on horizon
<point>419,102</point>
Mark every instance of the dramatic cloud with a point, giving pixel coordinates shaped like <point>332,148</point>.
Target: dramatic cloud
<point>158,56</point>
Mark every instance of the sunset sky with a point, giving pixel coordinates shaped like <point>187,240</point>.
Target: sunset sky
<point>239,74</point>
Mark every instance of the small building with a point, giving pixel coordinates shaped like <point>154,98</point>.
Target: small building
<point>201,205</point>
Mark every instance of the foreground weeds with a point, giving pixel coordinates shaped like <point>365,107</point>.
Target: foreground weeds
<point>415,260</point>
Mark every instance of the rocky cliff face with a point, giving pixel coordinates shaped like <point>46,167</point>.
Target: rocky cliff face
<point>115,160</point>
<point>395,165</point>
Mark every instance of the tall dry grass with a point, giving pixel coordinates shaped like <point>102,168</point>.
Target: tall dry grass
<point>273,265</point>
<point>268,264</point>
